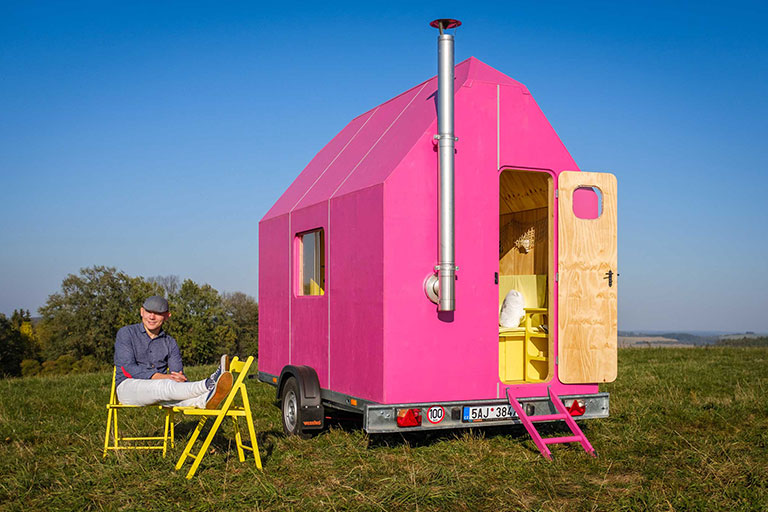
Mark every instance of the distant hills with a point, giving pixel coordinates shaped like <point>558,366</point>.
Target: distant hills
<point>688,338</point>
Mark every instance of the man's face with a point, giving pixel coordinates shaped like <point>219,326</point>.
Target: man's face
<point>153,321</point>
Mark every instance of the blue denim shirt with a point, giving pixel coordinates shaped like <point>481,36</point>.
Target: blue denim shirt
<point>138,356</point>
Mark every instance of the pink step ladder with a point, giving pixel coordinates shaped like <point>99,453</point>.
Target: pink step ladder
<point>562,415</point>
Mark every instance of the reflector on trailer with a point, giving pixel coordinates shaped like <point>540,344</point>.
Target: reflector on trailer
<point>409,417</point>
<point>576,408</point>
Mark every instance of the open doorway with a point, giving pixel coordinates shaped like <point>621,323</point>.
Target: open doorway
<point>525,267</point>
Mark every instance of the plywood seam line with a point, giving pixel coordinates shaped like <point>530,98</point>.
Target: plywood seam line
<point>328,282</point>
<point>404,93</point>
<point>378,140</point>
<point>498,135</point>
<point>334,159</point>
<point>384,365</point>
<point>290,278</point>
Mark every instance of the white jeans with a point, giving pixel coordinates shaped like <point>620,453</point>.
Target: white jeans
<point>165,392</point>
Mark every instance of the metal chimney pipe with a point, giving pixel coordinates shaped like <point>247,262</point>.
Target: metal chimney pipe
<point>446,268</point>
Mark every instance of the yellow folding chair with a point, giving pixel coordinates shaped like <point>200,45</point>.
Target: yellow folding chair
<point>228,409</point>
<point>113,407</point>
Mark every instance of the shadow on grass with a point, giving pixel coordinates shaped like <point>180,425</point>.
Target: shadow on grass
<point>422,438</point>
<point>184,429</point>
<point>351,422</point>
<point>223,442</point>
<point>342,420</point>
<point>267,441</point>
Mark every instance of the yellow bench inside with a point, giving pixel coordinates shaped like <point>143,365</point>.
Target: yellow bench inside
<point>524,350</point>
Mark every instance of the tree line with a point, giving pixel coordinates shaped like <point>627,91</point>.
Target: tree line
<point>77,325</point>
<point>751,341</point>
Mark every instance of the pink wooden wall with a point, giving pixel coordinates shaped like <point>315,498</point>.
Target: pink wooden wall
<point>456,357</point>
<point>373,188</point>
<point>274,264</point>
<point>357,302</point>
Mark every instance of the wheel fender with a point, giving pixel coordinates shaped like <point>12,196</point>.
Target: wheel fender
<point>312,410</point>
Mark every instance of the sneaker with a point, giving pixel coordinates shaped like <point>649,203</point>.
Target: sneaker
<point>224,364</point>
<point>210,382</point>
<point>220,390</point>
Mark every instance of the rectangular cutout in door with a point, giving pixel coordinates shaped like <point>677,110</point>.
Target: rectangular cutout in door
<point>587,202</point>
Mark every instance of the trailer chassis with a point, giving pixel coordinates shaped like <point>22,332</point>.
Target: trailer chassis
<point>382,418</point>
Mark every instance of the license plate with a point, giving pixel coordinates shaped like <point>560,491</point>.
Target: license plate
<point>488,413</point>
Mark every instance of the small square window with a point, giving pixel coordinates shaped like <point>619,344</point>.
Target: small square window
<point>312,263</point>
<point>588,202</point>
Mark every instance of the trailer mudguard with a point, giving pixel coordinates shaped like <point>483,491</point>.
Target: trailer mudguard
<point>312,410</point>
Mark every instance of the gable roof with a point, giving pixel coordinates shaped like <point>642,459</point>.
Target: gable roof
<point>371,146</point>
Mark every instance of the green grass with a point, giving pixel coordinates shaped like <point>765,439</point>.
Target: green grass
<point>688,431</point>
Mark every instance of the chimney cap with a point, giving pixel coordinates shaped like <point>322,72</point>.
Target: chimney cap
<point>445,23</point>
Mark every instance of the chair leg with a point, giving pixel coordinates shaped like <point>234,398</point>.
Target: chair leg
<point>238,439</point>
<point>109,426</point>
<point>173,430</point>
<point>165,431</point>
<point>115,430</point>
<point>204,448</point>
<point>251,429</point>
<point>191,442</point>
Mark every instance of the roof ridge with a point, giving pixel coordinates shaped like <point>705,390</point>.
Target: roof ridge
<point>421,84</point>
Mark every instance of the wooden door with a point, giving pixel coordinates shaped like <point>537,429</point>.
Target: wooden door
<point>587,284</point>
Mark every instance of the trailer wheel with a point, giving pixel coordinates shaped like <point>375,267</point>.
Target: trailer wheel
<point>290,404</point>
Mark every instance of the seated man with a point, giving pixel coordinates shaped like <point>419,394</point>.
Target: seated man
<point>143,353</point>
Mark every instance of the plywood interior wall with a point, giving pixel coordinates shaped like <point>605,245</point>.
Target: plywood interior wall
<point>520,191</point>
<point>516,226</point>
<point>523,213</point>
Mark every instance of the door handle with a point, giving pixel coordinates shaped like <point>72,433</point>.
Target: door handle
<point>609,277</point>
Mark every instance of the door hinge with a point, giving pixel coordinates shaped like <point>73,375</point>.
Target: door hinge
<point>557,193</point>
<point>557,277</point>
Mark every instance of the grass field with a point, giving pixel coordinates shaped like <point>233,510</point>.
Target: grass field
<point>688,431</point>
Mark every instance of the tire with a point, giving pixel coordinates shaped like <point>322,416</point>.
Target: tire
<point>290,406</point>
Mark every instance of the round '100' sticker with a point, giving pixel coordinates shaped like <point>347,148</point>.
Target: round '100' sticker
<point>435,414</point>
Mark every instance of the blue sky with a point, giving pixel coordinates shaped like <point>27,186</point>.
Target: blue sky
<point>153,136</point>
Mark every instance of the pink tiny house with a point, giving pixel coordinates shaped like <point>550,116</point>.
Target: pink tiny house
<point>381,279</point>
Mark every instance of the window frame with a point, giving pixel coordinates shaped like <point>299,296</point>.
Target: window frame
<point>319,263</point>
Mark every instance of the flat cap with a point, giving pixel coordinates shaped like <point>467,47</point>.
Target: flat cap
<point>156,304</point>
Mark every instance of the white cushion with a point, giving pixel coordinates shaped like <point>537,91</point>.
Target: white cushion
<point>512,309</point>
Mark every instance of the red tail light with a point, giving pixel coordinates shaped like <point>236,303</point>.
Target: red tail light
<point>409,417</point>
<point>577,408</point>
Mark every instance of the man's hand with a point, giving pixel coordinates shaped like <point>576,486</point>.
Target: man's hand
<point>177,376</point>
